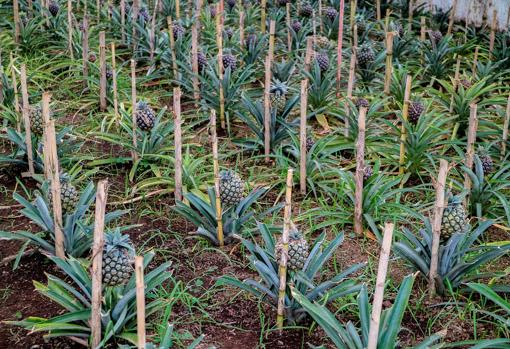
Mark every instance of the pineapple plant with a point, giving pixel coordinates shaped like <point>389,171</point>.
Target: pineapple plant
<point>485,159</point>
<point>228,32</point>
<point>298,250</point>
<point>118,253</point>
<point>145,116</point>
<point>212,11</point>
<point>144,14</point>
<point>415,111</point>
<point>278,96</point>
<point>322,42</point>
<point>36,120</point>
<point>466,83</point>
<point>365,55</point>
<point>54,7</point>
<point>322,60</point>
<point>454,219</point>
<point>306,10</point>
<point>231,188</point>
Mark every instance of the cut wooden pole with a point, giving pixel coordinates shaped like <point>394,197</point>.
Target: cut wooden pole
<point>302,135</point>
<point>471,139</point>
<point>177,9</point>
<point>506,124</point>
<point>272,29</point>
<point>378,9</point>
<point>423,28</point>
<point>494,27</point>
<point>70,28</point>
<point>134,153</point>
<point>320,17</point>
<point>382,270</point>
<point>140,302</point>
<point>289,35</point>
<point>452,17</point>
<point>339,48</point>
<point>178,144</point>
<point>17,22</point>
<point>123,20</point>
<point>308,53</point>
<point>219,44</point>
<point>360,166</point>
<point>114,83</point>
<point>350,88</point>
<point>353,20</point>
<point>85,51</point>
<point>403,132</point>
<point>97,263</point>
<point>102,67</point>
<point>263,5</point>
<point>456,81</point>
<point>216,168</point>
<point>26,120</point>
<point>267,108</point>
<point>194,53</point>
<point>282,271</point>
<point>475,61</point>
<point>135,9</point>
<point>153,33</point>
<point>436,224</point>
<point>172,46</point>
<point>389,62</point>
<point>241,29</point>
<point>98,8</point>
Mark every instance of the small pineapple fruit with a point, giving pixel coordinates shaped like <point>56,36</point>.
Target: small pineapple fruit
<point>118,255</point>
<point>145,116</point>
<point>109,73</point>
<point>397,27</point>
<point>415,111</point>
<point>69,196</point>
<point>144,14</point>
<point>36,120</point>
<point>322,60</point>
<point>466,83</point>
<point>212,11</point>
<point>202,61</point>
<point>309,143</point>
<point>486,160</point>
<point>330,13</point>
<point>251,40</point>
<point>298,250</point>
<point>278,96</point>
<point>231,188</point>
<point>229,61</point>
<point>322,42</point>
<point>231,4</point>
<point>53,7</point>
<point>229,32</point>
<point>367,172</point>
<point>296,26</point>
<point>365,55</point>
<point>306,10</point>
<point>454,217</point>
<point>177,31</point>
<point>92,57</point>
<point>436,36</point>
<point>361,102</point>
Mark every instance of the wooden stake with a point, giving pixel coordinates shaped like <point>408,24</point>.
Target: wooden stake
<point>282,272</point>
<point>353,20</point>
<point>153,33</point>
<point>70,28</point>
<point>219,44</point>
<point>134,153</point>
<point>140,302</point>
<point>410,16</point>
<point>320,17</point>
<point>178,144</point>
<point>471,139</point>
<point>272,29</point>
<point>378,6</point>
<point>85,51</point>
<point>172,46</point>
<point>302,135</point>
<point>403,132</point>
<point>423,28</point>
<point>389,62</point>
<point>456,81</point>
<point>102,65</point>
<point>340,48</point>
<point>216,167</point>
<point>452,17</point>
<point>30,9</point>
<point>289,35</point>
<point>360,165</point>
<point>135,11</point>
<point>384,257</point>
<point>436,224</point>
<point>17,21</point>
<point>475,61</point>
<point>123,19</point>
<point>505,129</point>
<point>493,31</point>
<point>350,88</point>
<point>114,83</point>
<point>98,8</point>
<point>309,53</point>
<point>177,9</point>
<point>263,5</point>
<point>241,29</point>
<point>194,53</point>
<point>267,108</point>
<point>97,263</point>
<point>26,120</point>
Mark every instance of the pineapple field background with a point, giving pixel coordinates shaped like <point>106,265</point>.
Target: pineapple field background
<point>363,100</point>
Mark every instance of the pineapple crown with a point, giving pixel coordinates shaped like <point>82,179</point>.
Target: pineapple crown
<point>228,175</point>
<point>294,233</point>
<point>116,240</point>
<point>279,88</point>
<point>456,200</point>
<point>482,151</point>
<point>141,105</point>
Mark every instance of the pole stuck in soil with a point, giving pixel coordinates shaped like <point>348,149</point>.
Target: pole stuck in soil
<point>70,28</point>
<point>267,108</point>
<point>403,132</point>
<point>26,121</point>
<point>470,146</point>
<point>389,62</point>
<point>140,302</point>
<point>114,84</point>
<point>85,50</point>
<point>289,35</point>
<point>263,5</point>
<point>135,11</point>
<point>308,53</point>
<point>436,225</point>
<point>382,270</point>
<point>452,17</point>
<point>194,53</point>
<point>350,88</point>
<point>17,24</point>
<point>339,48</point>
<point>282,271</point>
<point>494,27</point>
<point>153,34</point>
<point>97,260</point>
<point>360,166</point>
<point>241,29</point>
<point>134,153</point>
<point>172,46</point>
<point>506,124</point>
<point>219,44</point>
<point>178,144</point>
<point>302,134</point>
<point>216,168</point>
<point>102,67</point>
<point>123,20</point>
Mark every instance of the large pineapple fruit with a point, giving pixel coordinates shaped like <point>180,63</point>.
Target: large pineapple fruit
<point>366,55</point>
<point>229,61</point>
<point>454,217</point>
<point>231,188</point>
<point>298,250</point>
<point>145,116</point>
<point>306,10</point>
<point>36,120</point>
<point>118,255</point>
<point>278,96</point>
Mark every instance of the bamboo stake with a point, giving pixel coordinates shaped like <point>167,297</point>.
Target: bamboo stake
<point>241,29</point>
<point>302,135</point>
<point>360,165</point>
<point>263,5</point>
<point>475,61</point>
<point>309,53</point>
<point>135,11</point>
<point>178,144</point>
<point>410,16</point>
<point>98,8</point>
<point>471,139</point>
<point>350,88</point>
<point>353,20</point>
<point>289,36</point>
<point>219,44</point>
<point>134,154</point>
<point>272,29</point>
<point>114,83</point>
<point>102,65</point>
<point>216,167</point>
<point>436,224</point>
<point>505,129</point>
<point>17,29</point>
<point>340,47</point>
<point>172,46</point>
<point>267,108</point>
<point>85,51</point>
<point>403,133</point>
<point>389,62</point>
<point>378,6</point>
<point>282,272</point>
<point>153,33</point>
<point>97,263</point>
<point>452,17</point>
<point>177,9</point>
<point>26,120</point>
<point>123,19</point>
<point>70,28</point>
<point>382,270</point>
<point>493,31</point>
<point>140,302</point>
<point>194,53</point>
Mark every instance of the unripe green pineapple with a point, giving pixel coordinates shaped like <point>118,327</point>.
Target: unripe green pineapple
<point>118,255</point>
<point>454,217</point>
<point>298,250</point>
<point>36,120</point>
<point>69,196</point>
<point>231,188</point>
<point>279,96</point>
<point>145,116</point>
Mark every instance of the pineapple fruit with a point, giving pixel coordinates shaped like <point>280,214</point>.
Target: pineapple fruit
<point>322,60</point>
<point>486,160</point>
<point>229,61</point>
<point>415,111</point>
<point>330,13</point>
<point>365,55</point>
<point>145,116</point>
<point>69,196</point>
<point>454,217</point>
<point>36,120</point>
<point>53,7</point>
<point>278,96</point>
<point>118,255</point>
<point>231,188</point>
<point>298,250</point>
<point>306,10</point>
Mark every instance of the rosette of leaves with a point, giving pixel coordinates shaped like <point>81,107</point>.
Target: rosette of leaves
<point>321,87</point>
<point>263,260</point>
